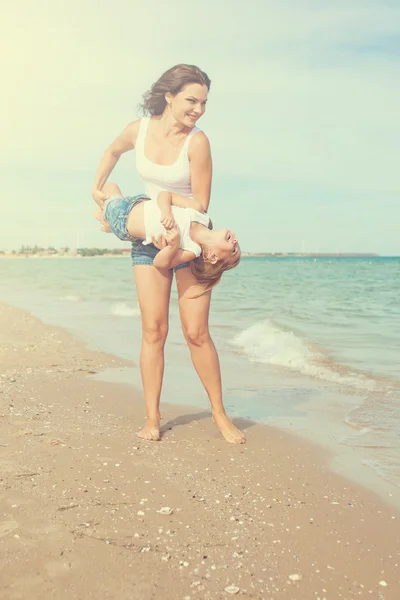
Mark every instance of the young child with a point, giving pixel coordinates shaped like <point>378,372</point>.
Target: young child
<point>185,227</point>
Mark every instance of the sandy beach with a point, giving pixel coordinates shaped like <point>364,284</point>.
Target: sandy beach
<point>87,510</point>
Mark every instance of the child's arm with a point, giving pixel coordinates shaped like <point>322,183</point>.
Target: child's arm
<point>166,199</point>
<point>172,255</point>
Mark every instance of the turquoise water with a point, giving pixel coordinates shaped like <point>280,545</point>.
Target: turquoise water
<point>315,342</point>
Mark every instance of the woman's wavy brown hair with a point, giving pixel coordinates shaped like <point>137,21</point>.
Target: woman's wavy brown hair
<point>171,81</point>
<point>208,274</point>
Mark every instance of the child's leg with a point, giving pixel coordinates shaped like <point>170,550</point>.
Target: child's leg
<point>109,189</point>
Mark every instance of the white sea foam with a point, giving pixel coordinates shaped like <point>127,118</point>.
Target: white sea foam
<point>264,342</point>
<point>121,309</point>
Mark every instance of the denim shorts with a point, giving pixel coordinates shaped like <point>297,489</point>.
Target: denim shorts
<point>144,255</point>
<point>116,212</point>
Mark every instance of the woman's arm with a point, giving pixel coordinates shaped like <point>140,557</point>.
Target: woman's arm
<point>124,142</point>
<point>200,169</point>
<point>167,199</point>
<point>168,259</point>
<point>172,255</point>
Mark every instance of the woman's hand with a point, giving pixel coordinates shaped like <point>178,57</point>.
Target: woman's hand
<point>173,237</point>
<point>99,197</point>
<point>98,213</point>
<point>159,242</point>
<point>166,258</point>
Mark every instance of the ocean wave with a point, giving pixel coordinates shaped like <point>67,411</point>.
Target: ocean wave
<point>267,343</point>
<point>121,309</point>
<point>377,414</point>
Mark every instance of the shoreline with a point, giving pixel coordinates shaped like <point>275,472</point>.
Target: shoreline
<point>79,487</point>
<point>126,252</point>
<point>305,406</point>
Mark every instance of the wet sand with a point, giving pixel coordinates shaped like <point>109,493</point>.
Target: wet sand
<point>87,510</point>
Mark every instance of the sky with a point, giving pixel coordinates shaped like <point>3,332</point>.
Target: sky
<point>303,115</point>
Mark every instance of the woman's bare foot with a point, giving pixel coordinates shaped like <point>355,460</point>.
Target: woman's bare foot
<point>231,433</point>
<point>151,430</point>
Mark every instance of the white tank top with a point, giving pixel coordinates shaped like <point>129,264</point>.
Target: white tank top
<point>157,178</point>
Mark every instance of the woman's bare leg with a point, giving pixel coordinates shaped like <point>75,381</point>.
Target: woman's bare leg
<point>194,318</point>
<point>153,289</point>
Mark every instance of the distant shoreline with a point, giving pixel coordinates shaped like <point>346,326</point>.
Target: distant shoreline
<point>103,253</point>
<point>313,255</point>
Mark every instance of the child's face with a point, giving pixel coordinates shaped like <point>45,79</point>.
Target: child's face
<point>225,245</point>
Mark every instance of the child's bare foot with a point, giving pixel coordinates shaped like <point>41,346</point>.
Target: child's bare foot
<point>231,433</point>
<point>151,430</point>
<point>98,213</point>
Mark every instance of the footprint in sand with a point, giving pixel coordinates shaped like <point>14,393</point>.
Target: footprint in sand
<point>56,569</point>
<point>7,527</point>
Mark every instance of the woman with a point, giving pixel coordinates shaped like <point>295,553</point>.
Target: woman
<point>171,155</point>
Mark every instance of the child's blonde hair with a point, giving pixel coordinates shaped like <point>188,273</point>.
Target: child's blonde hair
<point>208,273</point>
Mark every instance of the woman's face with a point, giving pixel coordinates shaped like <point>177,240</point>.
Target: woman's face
<point>225,245</point>
<point>189,104</point>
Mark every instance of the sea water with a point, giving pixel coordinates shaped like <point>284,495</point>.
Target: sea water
<point>308,344</point>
